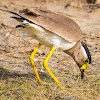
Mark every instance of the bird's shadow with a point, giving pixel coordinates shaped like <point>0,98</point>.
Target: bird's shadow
<point>5,75</point>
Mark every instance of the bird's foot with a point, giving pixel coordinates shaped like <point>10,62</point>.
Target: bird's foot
<point>43,83</point>
<point>63,88</point>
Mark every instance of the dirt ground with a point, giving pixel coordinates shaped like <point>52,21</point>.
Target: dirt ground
<point>17,78</point>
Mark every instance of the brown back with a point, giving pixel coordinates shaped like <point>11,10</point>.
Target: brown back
<point>59,24</point>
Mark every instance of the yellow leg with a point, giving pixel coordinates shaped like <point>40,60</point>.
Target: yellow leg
<point>32,61</point>
<point>46,65</point>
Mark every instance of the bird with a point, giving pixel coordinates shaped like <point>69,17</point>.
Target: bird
<point>55,31</point>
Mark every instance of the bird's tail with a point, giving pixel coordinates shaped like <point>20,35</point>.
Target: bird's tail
<point>18,18</point>
<point>12,12</point>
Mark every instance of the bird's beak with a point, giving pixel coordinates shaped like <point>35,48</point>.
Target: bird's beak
<point>82,70</point>
<point>82,73</point>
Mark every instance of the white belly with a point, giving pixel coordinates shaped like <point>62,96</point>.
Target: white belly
<point>47,38</point>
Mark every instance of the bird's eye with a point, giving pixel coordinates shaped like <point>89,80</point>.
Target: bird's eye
<point>87,60</point>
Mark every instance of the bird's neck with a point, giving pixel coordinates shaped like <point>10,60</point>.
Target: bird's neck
<point>76,53</point>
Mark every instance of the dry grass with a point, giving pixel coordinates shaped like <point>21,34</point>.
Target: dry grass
<point>26,87</point>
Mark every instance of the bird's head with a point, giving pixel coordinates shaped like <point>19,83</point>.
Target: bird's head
<point>80,53</point>
<point>83,58</point>
<point>87,59</point>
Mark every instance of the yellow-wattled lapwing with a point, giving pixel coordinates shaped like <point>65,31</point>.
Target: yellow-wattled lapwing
<point>56,31</point>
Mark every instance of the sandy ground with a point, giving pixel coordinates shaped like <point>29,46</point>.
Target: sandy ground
<point>15,49</point>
